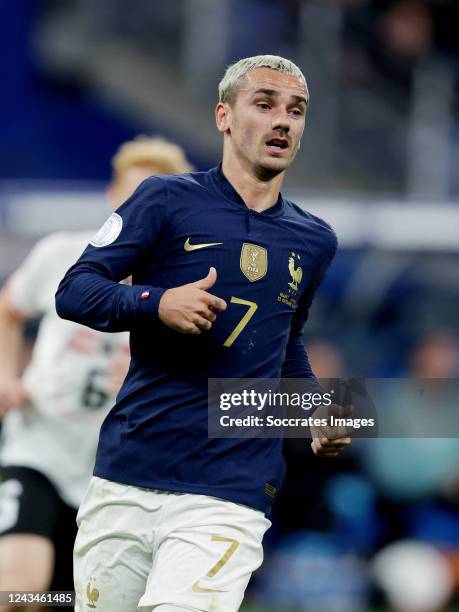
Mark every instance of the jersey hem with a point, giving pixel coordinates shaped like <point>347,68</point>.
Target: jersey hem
<point>184,487</point>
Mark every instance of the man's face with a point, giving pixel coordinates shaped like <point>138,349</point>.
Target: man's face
<point>127,182</point>
<point>266,120</point>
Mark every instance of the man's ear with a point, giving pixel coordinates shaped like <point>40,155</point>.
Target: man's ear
<point>222,116</point>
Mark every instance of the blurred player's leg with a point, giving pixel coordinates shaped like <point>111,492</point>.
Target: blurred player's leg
<point>36,528</point>
<point>26,564</point>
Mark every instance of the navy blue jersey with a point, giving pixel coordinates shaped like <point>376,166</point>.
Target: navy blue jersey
<point>269,265</point>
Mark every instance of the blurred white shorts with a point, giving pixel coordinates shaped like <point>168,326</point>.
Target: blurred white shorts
<point>143,549</point>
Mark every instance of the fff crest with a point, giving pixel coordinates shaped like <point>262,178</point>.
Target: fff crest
<point>254,261</point>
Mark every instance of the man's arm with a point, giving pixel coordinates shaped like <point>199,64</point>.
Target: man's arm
<point>24,297</point>
<point>87,296</point>
<point>296,363</point>
<point>13,393</point>
<point>91,294</point>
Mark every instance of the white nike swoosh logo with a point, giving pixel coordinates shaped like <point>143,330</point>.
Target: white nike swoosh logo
<point>195,247</point>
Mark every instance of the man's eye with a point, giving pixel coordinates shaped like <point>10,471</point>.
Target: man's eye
<point>263,105</point>
<point>297,112</point>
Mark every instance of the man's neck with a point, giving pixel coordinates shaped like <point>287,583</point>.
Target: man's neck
<point>258,195</point>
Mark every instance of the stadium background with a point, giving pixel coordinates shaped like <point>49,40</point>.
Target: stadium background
<point>379,527</point>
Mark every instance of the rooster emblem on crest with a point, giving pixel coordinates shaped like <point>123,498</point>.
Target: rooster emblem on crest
<point>92,595</point>
<point>295,273</point>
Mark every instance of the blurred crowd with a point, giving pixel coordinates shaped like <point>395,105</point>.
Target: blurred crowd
<point>380,525</point>
<point>383,74</point>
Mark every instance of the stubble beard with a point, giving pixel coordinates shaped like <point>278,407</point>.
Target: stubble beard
<point>266,172</point>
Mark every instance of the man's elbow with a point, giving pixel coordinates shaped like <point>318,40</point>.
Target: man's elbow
<point>63,304</point>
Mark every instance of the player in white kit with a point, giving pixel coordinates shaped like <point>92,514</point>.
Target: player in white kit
<point>52,413</point>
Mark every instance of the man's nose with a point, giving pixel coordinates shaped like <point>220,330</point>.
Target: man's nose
<point>281,121</point>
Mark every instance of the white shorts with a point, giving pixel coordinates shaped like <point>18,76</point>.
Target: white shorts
<point>141,548</point>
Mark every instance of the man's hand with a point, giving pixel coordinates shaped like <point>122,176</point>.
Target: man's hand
<point>328,441</point>
<point>190,309</point>
<point>13,394</point>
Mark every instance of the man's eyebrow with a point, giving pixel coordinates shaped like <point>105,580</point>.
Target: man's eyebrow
<point>272,93</point>
<point>301,99</point>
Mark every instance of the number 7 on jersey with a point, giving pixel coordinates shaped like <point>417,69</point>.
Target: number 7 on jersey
<point>252,307</point>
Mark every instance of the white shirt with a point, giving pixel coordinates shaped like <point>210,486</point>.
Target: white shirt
<point>67,378</point>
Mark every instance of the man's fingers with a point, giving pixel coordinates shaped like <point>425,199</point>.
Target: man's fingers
<point>215,303</point>
<point>336,444</point>
<point>202,323</point>
<point>206,312</point>
<point>345,411</point>
<point>323,447</point>
<point>209,315</point>
<point>208,281</point>
<point>338,411</point>
<point>180,307</point>
<point>325,441</point>
<point>316,447</point>
<point>336,433</point>
<point>336,429</point>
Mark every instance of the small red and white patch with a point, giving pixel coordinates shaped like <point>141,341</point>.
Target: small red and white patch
<point>144,295</point>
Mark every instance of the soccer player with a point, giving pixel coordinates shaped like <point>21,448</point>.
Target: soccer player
<point>224,270</point>
<point>52,413</point>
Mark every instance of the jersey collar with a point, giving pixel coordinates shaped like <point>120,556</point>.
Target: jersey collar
<point>222,184</point>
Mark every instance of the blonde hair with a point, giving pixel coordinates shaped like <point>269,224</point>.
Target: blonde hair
<point>237,72</point>
<point>168,157</point>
